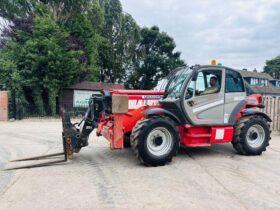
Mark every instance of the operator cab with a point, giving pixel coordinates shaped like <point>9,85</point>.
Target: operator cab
<point>205,95</point>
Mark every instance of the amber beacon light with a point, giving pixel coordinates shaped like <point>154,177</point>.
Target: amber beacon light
<point>213,62</point>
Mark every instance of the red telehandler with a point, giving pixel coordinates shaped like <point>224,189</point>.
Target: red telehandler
<point>200,106</point>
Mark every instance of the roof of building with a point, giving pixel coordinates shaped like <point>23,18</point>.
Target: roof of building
<point>95,86</point>
<point>270,89</point>
<point>255,74</point>
<point>266,90</point>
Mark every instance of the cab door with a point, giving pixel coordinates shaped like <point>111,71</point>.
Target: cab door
<point>235,95</point>
<point>205,104</point>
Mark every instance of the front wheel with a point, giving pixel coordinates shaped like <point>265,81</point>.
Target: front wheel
<point>155,140</point>
<point>251,135</point>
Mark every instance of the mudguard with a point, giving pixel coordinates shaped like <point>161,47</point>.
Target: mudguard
<point>158,111</point>
<point>248,112</point>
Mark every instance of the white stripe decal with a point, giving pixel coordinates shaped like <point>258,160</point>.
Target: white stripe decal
<point>136,103</point>
<point>207,106</point>
<point>238,98</point>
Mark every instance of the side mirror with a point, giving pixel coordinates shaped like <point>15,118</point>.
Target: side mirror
<point>194,76</point>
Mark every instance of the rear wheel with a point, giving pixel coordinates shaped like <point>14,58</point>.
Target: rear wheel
<point>252,135</point>
<point>155,140</point>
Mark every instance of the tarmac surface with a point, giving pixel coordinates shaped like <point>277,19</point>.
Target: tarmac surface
<point>98,178</point>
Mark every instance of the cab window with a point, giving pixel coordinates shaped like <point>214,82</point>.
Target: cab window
<point>234,82</point>
<point>208,82</point>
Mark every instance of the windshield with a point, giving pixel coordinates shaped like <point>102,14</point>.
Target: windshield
<point>173,89</point>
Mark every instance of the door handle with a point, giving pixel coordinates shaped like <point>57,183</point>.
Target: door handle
<point>192,103</point>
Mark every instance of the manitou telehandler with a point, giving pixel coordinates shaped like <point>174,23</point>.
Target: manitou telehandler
<point>200,106</point>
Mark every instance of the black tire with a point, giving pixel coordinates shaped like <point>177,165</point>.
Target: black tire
<point>244,135</point>
<point>126,141</point>
<point>142,146</point>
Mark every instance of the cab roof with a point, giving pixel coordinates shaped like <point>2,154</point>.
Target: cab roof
<point>197,67</point>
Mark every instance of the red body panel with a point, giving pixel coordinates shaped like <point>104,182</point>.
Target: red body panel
<point>253,99</point>
<point>195,136</point>
<point>221,134</point>
<point>117,125</point>
<point>138,102</point>
<point>205,136</point>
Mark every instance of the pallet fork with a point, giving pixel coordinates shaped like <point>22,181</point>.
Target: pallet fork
<point>67,153</point>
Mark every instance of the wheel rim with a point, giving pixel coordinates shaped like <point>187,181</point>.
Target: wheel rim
<point>255,136</point>
<point>159,141</point>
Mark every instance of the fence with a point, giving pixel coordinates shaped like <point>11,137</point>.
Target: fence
<point>272,109</point>
<point>31,111</point>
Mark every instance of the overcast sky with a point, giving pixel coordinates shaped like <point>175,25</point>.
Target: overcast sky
<point>238,33</point>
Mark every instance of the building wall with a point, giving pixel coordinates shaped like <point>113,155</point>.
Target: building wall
<point>67,97</point>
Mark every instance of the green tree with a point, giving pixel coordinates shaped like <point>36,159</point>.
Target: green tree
<point>272,67</point>
<point>87,41</point>
<point>51,49</point>
<point>10,9</point>
<point>41,62</point>
<point>157,57</point>
<point>51,44</point>
<point>109,50</point>
<point>127,47</point>
<point>60,10</point>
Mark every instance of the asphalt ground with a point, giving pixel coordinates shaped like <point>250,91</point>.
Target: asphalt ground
<point>98,178</point>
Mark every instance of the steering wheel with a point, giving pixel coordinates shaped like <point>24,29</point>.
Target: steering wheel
<point>190,93</point>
